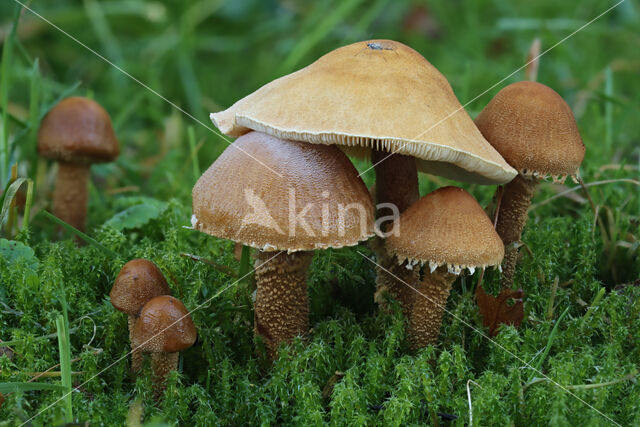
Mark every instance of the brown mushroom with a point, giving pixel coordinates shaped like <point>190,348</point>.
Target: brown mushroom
<point>76,132</point>
<point>289,200</point>
<point>535,131</point>
<point>446,231</point>
<point>164,328</point>
<point>137,283</point>
<point>379,98</point>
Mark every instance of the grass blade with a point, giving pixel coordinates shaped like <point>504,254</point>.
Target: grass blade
<point>17,387</point>
<point>8,197</point>
<point>194,153</point>
<point>550,340</point>
<point>79,233</point>
<point>5,83</point>
<point>65,365</point>
<point>608,108</point>
<point>319,32</point>
<point>34,114</point>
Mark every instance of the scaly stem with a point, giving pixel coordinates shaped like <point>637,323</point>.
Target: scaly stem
<point>162,364</point>
<point>70,195</point>
<point>396,183</point>
<point>282,305</point>
<point>428,307</point>
<point>511,221</point>
<point>136,354</point>
<point>394,280</point>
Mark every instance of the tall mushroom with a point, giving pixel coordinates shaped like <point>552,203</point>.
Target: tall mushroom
<point>76,132</point>
<point>138,282</point>
<point>446,231</point>
<point>164,329</point>
<point>287,199</point>
<point>535,131</point>
<point>376,96</point>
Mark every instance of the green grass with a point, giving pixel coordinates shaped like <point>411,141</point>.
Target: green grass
<point>582,306</point>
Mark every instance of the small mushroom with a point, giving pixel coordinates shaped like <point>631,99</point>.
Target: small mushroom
<point>379,99</point>
<point>76,132</point>
<point>535,131</point>
<point>138,282</point>
<point>289,200</point>
<point>163,329</point>
<point>445,232</point>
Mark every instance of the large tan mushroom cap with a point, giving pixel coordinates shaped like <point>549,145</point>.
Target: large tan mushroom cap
<point>318,201</point>
<point>78,130</point>
<point>534,130</point>
<point>446,227</point>
<point>376,94</point>
<point>164,326</point>
<point>139,281</point>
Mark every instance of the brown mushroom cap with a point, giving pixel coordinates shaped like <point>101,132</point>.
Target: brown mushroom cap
<point>240,199</point>
<point>446,227</point>
<point>164,326</point>
<point>376,94</point>
<point>77,130</point>
<point>139,281</point>
<point>534,130</point>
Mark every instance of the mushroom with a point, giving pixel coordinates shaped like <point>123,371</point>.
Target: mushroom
<point>379,97</point>
<point>76,132</point>
<point>164,328</point>
<point>535,131</point>
<point>138,282</point>
<point>289,200</point>
<point>446,231</point>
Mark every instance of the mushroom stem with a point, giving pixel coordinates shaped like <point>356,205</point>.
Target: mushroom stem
<point>162,364</point>
<point>394,280</point>
<point>428,307</point>
<point>396,183</point>
<point>282,306</point>
<point>70,195</point>
<point>136,354</point>
<point>512,218</point>
<point>396,179</point>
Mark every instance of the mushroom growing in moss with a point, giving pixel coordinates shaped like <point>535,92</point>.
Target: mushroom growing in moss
<point>376,98</point>
<point>446,231</point>
<point>287,199</point>
<point>77,132</point>
<point>535,131</point>
<point>164,329</point>
<point>138,282</point>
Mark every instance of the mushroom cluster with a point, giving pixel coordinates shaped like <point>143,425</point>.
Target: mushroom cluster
<point>383,100</point>
<point>138,282</point>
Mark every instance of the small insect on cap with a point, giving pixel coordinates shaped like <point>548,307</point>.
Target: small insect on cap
<point>274,194</point>
<point>446,227</point>
<point>534,130</point>
<point>78,130</point>
<point>164,326</point>
<point>375,94</point>
<point>139,281</point>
